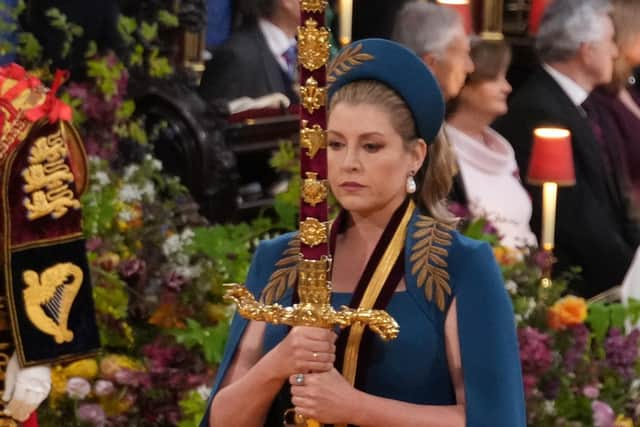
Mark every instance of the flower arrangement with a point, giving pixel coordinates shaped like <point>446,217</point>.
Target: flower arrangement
<point>580,360</point>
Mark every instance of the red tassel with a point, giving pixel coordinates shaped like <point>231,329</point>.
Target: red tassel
<point>32,421</point>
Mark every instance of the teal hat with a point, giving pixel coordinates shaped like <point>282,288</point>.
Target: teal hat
<point>400,69</point>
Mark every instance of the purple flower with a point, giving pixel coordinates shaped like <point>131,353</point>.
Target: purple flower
<point>603,415</point>
<point>132,267</point>
<point>132,378</point>
<point>78,388</point>
<point>535,353</point>
<point>175,281</point>
<point>459,210</point>
<point>591,391</point>
<point>93,243</point>
<point>91,413</point>
<point>543,260</point>
<point>576,351</point>
<point>622,351</point>
<point>103,388</point>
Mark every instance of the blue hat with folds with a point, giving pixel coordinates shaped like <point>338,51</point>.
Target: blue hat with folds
<point>400,69</point>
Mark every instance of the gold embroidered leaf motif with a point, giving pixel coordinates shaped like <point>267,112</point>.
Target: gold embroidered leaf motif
<point>429,259</point>
<point>344,62</point>
<point>285,275</point>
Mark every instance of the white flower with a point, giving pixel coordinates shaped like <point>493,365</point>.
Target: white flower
<point>204,391</point>
<point>156,164</point>
<point>78,388</point>
<point>125,215</point>
<point>187,236</point>
<point>531,305</point>
<point>102,178</point>
<point>511,286</point>
<point>549,407</point>
<point>130,170</point>
<point>171,245</point>
<point>189,271</point>
<point>130,193</point>
<point>518,318</point>
<point>149,190</point>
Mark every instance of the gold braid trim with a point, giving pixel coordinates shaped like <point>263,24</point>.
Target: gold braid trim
<point>344,62</point>
<point>429,258</point>
<point>285,276</point>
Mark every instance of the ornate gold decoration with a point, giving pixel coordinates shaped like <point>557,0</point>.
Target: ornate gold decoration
<point>284,277</point>
<point>429,258</point>
<point>349,58</point>
<point>312,138</point>
<point>49,296</point>
<point>313,5</point>
<point>314,286</point>
<point>307,314</point>
<point>47,179</point>
<point>314,191</point>
<point>313,45</point>
<point>313,97</point>
<point>313,232</point>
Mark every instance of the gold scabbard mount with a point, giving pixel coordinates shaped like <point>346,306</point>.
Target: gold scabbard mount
<point>314,5</point>
<point>313,97</point>
<point>312,139</point>
<point>313,232</point>
<point>313,45</point>
<point>314,191</point>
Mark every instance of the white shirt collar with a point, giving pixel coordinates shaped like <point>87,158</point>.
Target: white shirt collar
<point>277,40</point>
<point>574,91</point>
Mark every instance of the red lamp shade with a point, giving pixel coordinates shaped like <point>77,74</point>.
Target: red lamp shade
<point>535,14</point>
<point>463,8</point>
<point>551,157</point>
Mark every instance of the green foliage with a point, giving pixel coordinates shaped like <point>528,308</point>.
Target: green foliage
<point>476,230</point>
<point>148,32</point>
<point>127,27</point>
<point>167,19</point>
<point>603,316</point>
<point>159,65</point>
<point>209,340</point>
<point>106,75</point>
<point>59,21</point>
<point>192,406</point>
<point>29,48</point>
<point>230,246</point>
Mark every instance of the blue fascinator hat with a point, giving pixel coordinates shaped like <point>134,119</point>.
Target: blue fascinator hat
<point>398,68</point>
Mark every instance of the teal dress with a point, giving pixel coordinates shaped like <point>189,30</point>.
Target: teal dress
<point>414,368</point>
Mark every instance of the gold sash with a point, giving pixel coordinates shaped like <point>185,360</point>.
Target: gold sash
<point>391,254</point>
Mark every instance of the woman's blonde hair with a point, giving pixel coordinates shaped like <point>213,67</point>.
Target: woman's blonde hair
<point>435,177</point>
<point>626,21</point>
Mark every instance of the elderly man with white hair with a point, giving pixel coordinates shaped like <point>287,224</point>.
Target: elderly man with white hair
<point>593,229</point>
<point>437,35</point>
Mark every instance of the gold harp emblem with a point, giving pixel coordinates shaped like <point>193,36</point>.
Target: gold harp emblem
<point>313,43</point>
<point>314,5</point>
<point>313,97</point>
<point>312,138</point>
<point>49,297</point>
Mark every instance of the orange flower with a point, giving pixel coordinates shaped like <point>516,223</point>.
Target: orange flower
<point>506,256</point>
<point>568,311</point>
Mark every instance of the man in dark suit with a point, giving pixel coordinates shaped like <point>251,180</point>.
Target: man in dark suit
<point>593,229</point>
<point>259,58</point>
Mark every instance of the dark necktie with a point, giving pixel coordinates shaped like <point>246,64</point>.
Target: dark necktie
<point>291,58</point>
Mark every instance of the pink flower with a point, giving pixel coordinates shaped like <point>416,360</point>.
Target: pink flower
<point>103,388</point>
<point>78,388</point>
<point>92,414</point>
<point>603,415</point>
<point>590,391</point>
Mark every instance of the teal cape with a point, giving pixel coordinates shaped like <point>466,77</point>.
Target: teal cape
<point>414,367</point>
